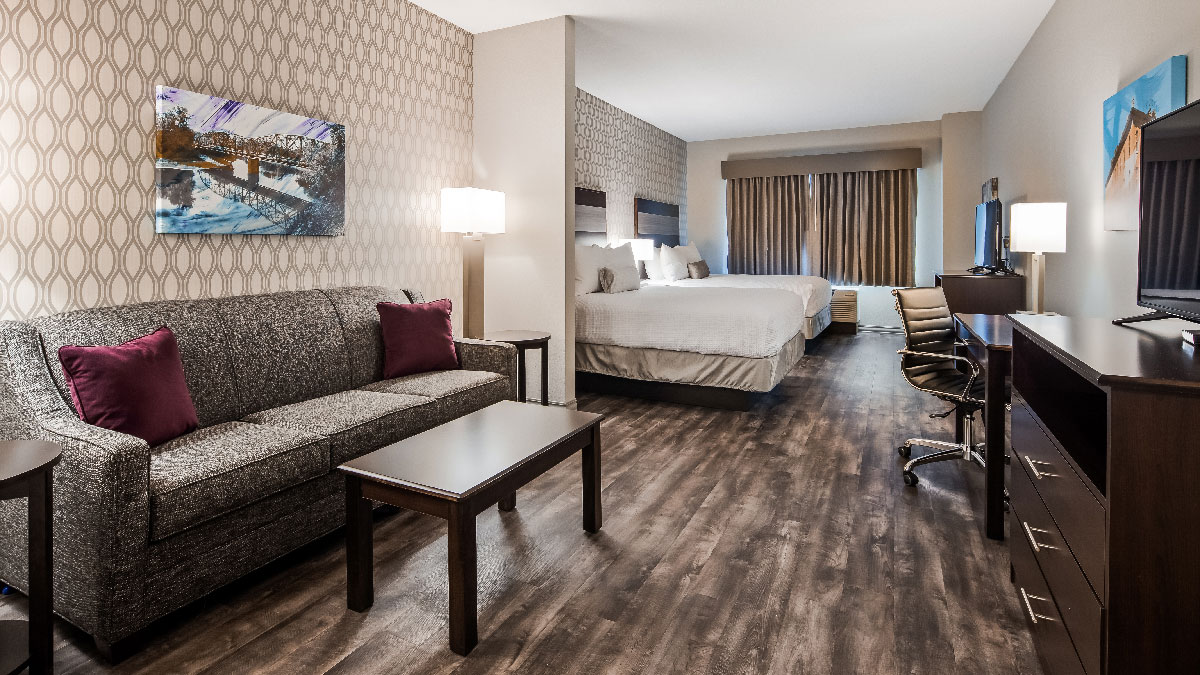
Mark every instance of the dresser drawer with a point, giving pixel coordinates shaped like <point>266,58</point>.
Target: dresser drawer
<point>1080,518</point>
<point>1077,603</point>
<point>1054,646</point>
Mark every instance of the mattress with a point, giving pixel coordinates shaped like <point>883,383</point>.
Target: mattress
<point>701,320</point>
<point>815,291</point>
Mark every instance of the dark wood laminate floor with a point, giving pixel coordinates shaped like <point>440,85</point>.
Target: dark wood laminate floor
<point>778,540</point>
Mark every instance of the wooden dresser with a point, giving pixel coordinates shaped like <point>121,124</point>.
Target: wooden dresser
<point>968,293</point>
<point>1105,494</point>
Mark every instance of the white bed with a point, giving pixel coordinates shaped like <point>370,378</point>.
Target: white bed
<point>729,338</point>
<point>816,292</point>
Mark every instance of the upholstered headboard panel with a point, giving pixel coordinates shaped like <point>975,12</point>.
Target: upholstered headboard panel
<point>591,217</point>
<point>656,220</point>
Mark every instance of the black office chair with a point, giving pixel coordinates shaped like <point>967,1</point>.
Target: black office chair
<point>929,364</point>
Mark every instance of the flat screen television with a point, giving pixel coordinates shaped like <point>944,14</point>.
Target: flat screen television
<point>989,247</point>
<point>1169,236</point>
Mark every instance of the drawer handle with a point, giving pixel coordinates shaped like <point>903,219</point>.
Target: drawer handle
<point>1037,548</point>
<point>1033,467</point>
<point>1034,616</point>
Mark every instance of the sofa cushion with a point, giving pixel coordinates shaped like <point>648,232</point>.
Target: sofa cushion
<point>214,470</point>
<point>356,422</point>
<point>417,337</point>
<point>136,387</point>
<point>455,392</point>
<point>285,348</point>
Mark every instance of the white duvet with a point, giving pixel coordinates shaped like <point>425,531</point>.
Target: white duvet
<point>815,291</point>
<point>727,321</point>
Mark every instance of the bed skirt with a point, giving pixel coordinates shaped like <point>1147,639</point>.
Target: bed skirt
<point>813,325</point>
<point>710,370</point>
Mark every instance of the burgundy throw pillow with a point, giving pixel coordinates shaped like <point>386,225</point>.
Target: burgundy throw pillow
<point>417,338</point>
<point>136,387</point>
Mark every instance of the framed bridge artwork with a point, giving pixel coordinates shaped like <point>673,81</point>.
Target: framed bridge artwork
<point>225,167</point>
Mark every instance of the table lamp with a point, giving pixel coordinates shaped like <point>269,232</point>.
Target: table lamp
<point>1038,228</point>
<point>474,212</point>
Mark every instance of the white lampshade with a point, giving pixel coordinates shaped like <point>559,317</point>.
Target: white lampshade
<point>1038,227</point>
<point>466,209</point>
<point>643,249</point>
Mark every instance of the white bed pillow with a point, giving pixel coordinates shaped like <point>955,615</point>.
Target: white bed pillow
<point>674,263</point>
<point>621,258</point>
<point>588,261</point>
<point>691,254</point>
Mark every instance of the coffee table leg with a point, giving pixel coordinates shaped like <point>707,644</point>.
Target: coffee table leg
<point>593,514</point>
<point>464,627</point>
<point>360,586</point>
<point>41,629</point>
<point>508,502</point>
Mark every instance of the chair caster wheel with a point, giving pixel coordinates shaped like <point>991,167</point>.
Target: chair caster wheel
<point>905,451</point>
<point>910,478</point>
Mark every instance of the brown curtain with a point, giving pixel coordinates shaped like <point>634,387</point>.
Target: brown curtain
<point>1170,247</point>
<point>768,218</point>
<point>851,228</point>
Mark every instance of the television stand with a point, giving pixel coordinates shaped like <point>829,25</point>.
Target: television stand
<point>1149,316</point>
<point>982,293</point>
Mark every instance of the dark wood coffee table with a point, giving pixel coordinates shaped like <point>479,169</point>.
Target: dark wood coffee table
<point>455,472</point>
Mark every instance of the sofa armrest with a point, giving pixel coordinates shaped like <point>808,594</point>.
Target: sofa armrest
<point>493,357</point>
<point>101,499</point>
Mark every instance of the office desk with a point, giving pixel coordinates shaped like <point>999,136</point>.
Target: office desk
<point>989,343</point>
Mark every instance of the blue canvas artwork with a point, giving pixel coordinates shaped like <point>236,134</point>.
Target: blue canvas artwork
<point>225,167</point>
<point>1152,95</point>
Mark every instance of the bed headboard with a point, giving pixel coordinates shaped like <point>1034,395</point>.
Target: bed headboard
<point>656,220</point>
<point>591,217</point>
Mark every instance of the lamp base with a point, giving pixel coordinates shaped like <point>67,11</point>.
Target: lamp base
<point>1038,274</point>
<point>473,287</point>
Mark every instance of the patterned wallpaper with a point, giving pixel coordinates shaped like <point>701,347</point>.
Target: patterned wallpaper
<point>76,167</point>
<point>627,158</point>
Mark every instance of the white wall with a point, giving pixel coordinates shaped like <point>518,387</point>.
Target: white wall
<point>706,193</point>
<point>525,146</point>
<point>962,180</point>
<point>1042,133</point>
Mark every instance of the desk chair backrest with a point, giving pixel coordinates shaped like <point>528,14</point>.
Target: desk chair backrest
<point>928,327</point>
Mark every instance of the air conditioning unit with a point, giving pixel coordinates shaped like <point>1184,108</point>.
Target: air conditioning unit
<point>843,310</point>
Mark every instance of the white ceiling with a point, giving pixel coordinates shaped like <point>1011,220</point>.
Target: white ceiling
<point>705,69</point>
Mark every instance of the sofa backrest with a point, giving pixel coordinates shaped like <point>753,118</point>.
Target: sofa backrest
<point>197,325</point>
<point>244,354</point>
<point>285,347</point>
<point>355,307</point>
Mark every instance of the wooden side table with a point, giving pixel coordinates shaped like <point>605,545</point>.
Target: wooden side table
<point>26,469</point>
<point>524,340</point>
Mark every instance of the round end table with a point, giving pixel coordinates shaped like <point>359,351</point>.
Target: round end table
<point>524,340</point>
<point>26,469</point>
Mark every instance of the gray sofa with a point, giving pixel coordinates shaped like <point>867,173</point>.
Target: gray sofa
<point>286,387</point>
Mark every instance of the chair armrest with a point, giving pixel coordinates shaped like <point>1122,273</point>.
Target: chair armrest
<point>101,500</point>
<point>492,357</point>
<point>949,357</point>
